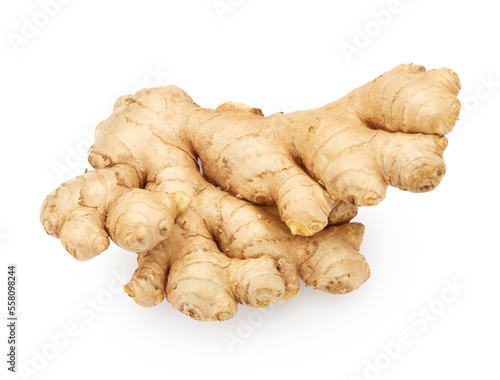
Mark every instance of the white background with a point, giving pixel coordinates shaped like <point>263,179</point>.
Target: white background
<point>280,56</point>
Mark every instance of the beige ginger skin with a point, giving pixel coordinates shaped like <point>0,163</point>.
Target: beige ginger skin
<point>290,183</point>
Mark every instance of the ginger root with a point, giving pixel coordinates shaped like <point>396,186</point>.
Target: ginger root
<point>290,185</point>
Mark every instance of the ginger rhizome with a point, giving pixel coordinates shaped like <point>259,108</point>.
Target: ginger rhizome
<point>290,183</point>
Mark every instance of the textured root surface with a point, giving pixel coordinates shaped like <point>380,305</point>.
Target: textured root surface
<point>197,286</point>
<point>257,282</point>
<point>333,263</point>
<point>206,285</point>
<point>414,100</point>
<point>139,219</point>
<point>76,211</point>
<point>147,285</point>
<point>312,168</point>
